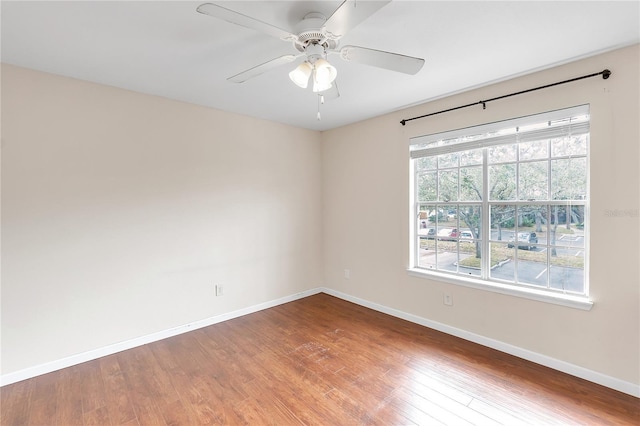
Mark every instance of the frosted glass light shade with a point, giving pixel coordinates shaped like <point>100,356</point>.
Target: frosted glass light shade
<point>323,76</point>
<point>325,72</point>
<point>300,75</point>
<point>321,87</point>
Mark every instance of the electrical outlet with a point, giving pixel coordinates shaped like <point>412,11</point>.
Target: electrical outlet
<point>219,290</point>
<point>447,299</point>
<point>347,274</point>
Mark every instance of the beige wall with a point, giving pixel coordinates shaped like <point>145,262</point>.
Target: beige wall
<point>121,211</point>
<point>366,213</point>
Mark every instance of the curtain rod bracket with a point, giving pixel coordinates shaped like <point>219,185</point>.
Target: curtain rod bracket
<point>484,104</point>
<point>606,74</point>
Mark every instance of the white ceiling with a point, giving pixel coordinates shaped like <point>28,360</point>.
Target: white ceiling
<point>168,49</point>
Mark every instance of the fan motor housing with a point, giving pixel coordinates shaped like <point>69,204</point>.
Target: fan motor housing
<point>311,32</point>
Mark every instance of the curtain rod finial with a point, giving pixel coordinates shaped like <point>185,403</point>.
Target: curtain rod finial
<point>606,74</point>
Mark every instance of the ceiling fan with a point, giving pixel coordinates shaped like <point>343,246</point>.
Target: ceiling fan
<point>315,37</point>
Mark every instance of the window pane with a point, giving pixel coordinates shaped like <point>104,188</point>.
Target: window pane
<point>470,183</point>
<point>426,223</point>
<point>560,180</point>
<point>426,163</point>
<point>535,219</point>
<point>502,265</point>
<point>567,270</point>
<point>502,154</point>
<point>578,172</point>
<point>576,224</point>
<point>470,158</point>
<point>531,266</point>
<point>447,220</point>
<point>502,182</point>
<point>569,179</point>
<point>427,186</point>
<point>576,145</point>
<point>448,185</point>
<point>448,160</point>
<point>447,256</point>
<point>502,221</point>
<point>426,236</point>
<point>447,240</point>
<point>426,219</point>
<point>567,226</point>
<point>470,221</point>
<point>427,254</point>
<point>530,218</point>
<point>533,181</point>
<point>534,150</point>
<point>470,258</point>
<point>528,239</point>
<point>470,239</point>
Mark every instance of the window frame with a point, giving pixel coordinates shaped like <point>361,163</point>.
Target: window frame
<point>440,143</point>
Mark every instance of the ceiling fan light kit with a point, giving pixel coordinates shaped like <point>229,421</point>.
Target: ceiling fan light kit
<point>323,72</point>
<point>315,37</point>
<point>323,75</point>
<point>300,75</point>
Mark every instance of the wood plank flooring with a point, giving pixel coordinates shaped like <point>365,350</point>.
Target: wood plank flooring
<point>315,361</point>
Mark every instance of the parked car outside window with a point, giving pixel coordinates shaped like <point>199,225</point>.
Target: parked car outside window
<point>429,233</point>
<point>525,240</point>
<point>448,234</point>
<point>466,236</point>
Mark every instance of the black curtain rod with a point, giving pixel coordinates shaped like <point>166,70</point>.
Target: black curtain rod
<point>605,75</point>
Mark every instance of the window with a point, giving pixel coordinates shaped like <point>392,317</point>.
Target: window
<point>505,203</point>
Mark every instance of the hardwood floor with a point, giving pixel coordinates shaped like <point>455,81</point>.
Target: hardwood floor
<point>317,361</point>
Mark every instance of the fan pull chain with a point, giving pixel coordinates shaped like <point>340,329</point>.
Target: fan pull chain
<point>320,101</point>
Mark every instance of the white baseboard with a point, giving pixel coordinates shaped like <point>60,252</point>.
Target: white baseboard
<point>556,364</point>
<point>574,370</point>
<point>48,367</point>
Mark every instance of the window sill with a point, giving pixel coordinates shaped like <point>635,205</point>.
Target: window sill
<point>577,302</point>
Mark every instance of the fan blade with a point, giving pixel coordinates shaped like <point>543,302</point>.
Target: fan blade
<point>262,68</point>
<point>349,14</point>
<point>382,59</point>
<point>244,21</point>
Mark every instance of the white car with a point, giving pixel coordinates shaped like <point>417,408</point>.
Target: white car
<point>448,234</point>
<point>466,236</point>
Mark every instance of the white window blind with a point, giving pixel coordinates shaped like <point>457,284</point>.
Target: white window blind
<point>554,124</point>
